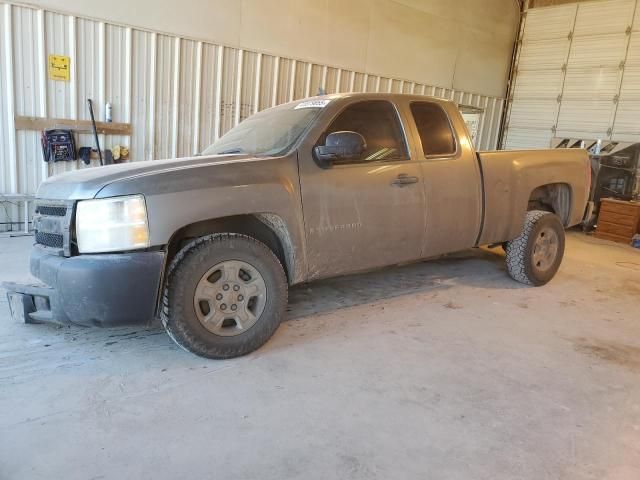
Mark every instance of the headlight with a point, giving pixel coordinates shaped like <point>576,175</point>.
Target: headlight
<point>112,224</point>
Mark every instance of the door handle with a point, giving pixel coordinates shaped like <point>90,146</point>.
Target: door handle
<point>404,179</point>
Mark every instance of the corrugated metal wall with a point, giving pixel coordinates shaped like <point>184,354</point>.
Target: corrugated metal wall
<point>577,75</point>
<point>179,94</point>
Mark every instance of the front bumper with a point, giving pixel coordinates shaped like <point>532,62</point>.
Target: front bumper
<point>101,290</point>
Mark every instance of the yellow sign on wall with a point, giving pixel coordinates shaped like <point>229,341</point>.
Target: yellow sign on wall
<point>59,67</point>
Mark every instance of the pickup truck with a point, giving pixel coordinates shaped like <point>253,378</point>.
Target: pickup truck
<point>311,189</point>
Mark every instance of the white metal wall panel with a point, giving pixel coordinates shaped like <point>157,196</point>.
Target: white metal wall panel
<point>8,174</point>
<point>118,78</point>
<point>599,93</point>
<point>209,103</point>
<point>30,97</point>
<point>143,66</point>
<point>91,84</point>
<point>190,76</point>
<point>60,39</point>
<point>164,98</point>
<point>6,97</point>
<point>248,84</point>
<point>263,75</point>
<point>178,94</point>
<point>28,74</point>
<point>299,80</point>
<point>231,89</point>
<point>315,80</point>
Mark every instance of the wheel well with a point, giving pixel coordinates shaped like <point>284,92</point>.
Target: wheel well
<point>262,227</point>
<point>553,197</point>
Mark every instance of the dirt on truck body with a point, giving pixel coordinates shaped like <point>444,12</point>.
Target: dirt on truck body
<point>311,189</point>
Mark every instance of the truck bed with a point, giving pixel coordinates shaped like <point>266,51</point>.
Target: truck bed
<point>510,177</point>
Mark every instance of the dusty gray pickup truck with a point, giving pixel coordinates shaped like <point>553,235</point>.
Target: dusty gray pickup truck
<point>312,189</point>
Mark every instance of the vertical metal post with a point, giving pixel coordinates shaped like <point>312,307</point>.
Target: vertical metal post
<point>276,81</point>
<point>292,79</point>
<point>128,72</point>
<point>238,99</point>
<point>197,101</point>
<point>151,139</point>
<point>307,83</point>
<point>73,84</point>
<point>42,84</point>
<point>483,121</point>
<point>258,81</point>
<point>10,98</point>
<point>102,83</point>
<point>26,216</point>
<point>176,97</point>
<point>323,83</point>
<point>218,99</point>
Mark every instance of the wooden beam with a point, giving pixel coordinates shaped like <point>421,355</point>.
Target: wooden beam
<point>80,126</point>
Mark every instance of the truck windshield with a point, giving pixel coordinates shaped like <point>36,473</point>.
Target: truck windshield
<point>271,132</point>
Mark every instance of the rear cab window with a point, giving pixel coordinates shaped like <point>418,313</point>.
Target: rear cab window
<point>436,134</point>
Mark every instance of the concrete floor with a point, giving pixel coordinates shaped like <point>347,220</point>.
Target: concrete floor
<point>443,370</point>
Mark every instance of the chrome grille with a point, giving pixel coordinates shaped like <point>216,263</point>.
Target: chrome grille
<point>51,210</point>
<point>52,225</point>
<point>53,240</point>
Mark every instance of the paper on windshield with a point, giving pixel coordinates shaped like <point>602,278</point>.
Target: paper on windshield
<point>312,104</point>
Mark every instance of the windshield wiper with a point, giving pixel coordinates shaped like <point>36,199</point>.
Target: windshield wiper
<point>231,150</point>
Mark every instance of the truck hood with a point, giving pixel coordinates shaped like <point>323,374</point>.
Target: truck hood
<point>87,182</point>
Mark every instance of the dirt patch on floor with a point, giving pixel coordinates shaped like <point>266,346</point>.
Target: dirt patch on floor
<point>624,355</point>
<point>633,289</point>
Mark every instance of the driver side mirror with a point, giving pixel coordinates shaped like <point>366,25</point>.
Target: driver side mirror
<point>342,145</point>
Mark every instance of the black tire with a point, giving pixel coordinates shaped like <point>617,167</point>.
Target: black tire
<point>185,272</point>
<point>520,251</point>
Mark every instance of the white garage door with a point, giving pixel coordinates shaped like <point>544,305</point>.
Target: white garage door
<point>577,75</point>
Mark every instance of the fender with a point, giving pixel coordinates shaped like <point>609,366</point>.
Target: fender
<point>510,178</point>
<point>180,197</point>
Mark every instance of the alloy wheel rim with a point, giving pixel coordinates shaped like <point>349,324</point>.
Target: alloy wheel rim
<point>230,297</point>
<point>545,249</point>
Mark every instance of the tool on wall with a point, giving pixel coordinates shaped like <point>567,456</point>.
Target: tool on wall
<point>58,145</point>
<point>108,157</point>
<point>120,153</point>
<point>108,108</point>
<point>95,131</point>
<point>85,155</point>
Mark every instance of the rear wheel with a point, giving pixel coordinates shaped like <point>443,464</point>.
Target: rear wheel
<point>534,257</point>
<point>225,296</point>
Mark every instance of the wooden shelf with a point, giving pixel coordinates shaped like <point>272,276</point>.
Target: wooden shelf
<point>80,126</point>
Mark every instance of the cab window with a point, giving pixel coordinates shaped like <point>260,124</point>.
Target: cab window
<point>434,128</point>
<point>377,121</point>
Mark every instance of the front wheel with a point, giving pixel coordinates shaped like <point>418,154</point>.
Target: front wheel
<point>225,296</point>
<point>534,257</point>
